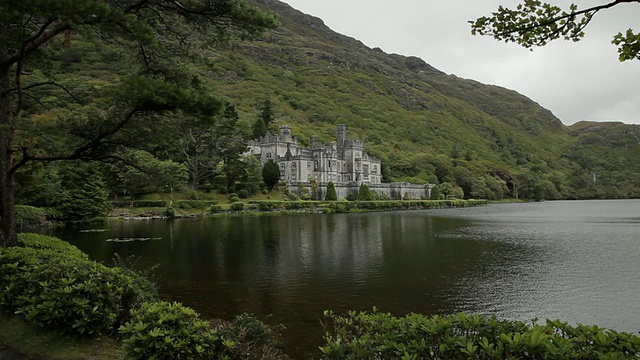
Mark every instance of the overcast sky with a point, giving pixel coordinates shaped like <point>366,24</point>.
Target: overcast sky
<point>576,81</point>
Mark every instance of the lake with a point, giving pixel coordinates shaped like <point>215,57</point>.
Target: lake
<point>578,261</point>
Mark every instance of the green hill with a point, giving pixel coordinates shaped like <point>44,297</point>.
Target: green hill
<point>424,124</point>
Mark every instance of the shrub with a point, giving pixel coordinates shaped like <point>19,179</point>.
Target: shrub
<point>139,203</point>
<point>191,195</point>
<point>29,215</point>
<point>247,337</point>
<point>265,191</point>
<point>170,212</point>
<point>51,285</point>
<point>331,192</point>
<point>468,336</point>
<point>234,199</point>
<point>222,189</point>
<point>243,194</point>
<point>232,195</point>
<point>37,241</point>
<point>237,206</point>
<point>164,330</point>
<point>215,209</point>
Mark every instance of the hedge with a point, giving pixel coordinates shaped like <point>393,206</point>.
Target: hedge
<point>377,335</point>
<point>51,283</point>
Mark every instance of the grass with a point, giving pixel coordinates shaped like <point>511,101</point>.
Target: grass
<point>39,343</point>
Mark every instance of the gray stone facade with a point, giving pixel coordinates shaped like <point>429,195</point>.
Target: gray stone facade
<point>344,162</point>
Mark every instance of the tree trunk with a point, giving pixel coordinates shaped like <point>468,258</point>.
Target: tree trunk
<point>8,235</point>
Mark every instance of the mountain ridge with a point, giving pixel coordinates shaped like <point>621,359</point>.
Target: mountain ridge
<point>410,113</point>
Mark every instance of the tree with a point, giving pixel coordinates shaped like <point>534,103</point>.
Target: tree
<point>266,114</point>
<point>270,174</point>
<point>331,192</point>
<point>436,194</point>
<point>534,23</point>
<point>152,41</point>
<point>259,129</point>
<point>365,194</point>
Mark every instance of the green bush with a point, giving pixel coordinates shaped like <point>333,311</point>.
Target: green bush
<point>246,337</point>
<point>37,241</point>
<point>222,189</point>
<point>215,209</point>
<point>29,215</point>
<point>377,335</point>
<point>164,330</point>
<point>139,203</point>
<point>232,195</point>
<point>170,212</point>
<point>234,199</point>
<point>243,194</point>
<point>237,206</point>
<point>194,204</point>
<point>50,285</point>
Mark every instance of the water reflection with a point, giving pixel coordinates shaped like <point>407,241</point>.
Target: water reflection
<point>516,260</point>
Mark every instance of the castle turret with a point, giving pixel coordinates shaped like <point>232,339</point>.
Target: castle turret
<point>342,136</point>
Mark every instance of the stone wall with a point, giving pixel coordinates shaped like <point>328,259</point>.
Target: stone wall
<point>394,191</point>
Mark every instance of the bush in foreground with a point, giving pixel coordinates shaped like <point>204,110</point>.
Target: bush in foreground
<point>53,284</point>
<point>164,330</point>
<point>377,335</point>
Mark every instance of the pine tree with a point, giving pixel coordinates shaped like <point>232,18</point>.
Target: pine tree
<point>270,174</point>
<point>365,194</point>
<point>331,192</point>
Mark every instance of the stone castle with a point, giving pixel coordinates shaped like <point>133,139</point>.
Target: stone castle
<point>344,162</point>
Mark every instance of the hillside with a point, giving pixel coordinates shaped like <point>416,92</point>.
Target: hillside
<point>424,124</point>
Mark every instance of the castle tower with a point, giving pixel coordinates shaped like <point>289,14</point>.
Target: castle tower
<point>342,136</point>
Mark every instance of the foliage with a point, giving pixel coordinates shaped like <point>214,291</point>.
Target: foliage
<point>237,206</point>
<point>100,114</point>
<point>29,215</point>
<point>165,330</point>
<point>270,174</point>
<point>139,203</point>
<point>378,335</point>
<point>52,286</point>
<point>222,189</point>
<point>170,212</point>
<point>331,192</point>
<point>365,194</point>
<point>534,23</point>
<point>215,209</point>
<point>86,198</point>
<point>436,194</point>
<point>243,194</point>
<point>246,337</point>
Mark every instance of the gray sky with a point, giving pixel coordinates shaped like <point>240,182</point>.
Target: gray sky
<point>576,81</point>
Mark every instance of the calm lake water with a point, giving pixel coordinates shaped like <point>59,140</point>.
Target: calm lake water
<point>578,261</point>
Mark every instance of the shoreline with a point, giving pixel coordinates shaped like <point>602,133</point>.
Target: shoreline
<point>284,208</point>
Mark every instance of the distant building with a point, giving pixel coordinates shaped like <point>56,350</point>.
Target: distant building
<point>344,162</point>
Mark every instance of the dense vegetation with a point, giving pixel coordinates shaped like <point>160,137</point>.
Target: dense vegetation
<point>50,283</point>
<point>473,140</point>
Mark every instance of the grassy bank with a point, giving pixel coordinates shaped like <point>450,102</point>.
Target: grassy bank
<point>20,339</point>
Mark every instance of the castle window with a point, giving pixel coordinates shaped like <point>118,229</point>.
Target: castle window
<point>268,155</point>
<point>309,165</point>
<point>293,166</point>
<point>375,169</point>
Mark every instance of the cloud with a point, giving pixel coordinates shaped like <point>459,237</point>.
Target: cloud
<point>576,81</point>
